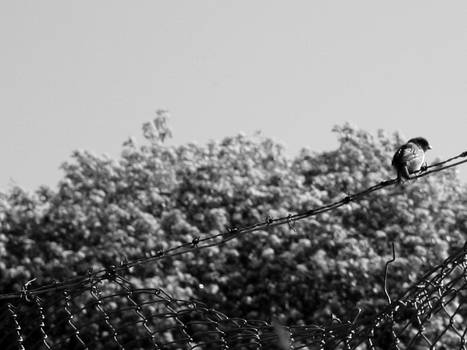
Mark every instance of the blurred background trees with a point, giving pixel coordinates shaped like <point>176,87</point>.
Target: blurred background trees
<point>157,195</point>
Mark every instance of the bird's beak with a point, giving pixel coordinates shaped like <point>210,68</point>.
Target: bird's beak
<point>429,147</point>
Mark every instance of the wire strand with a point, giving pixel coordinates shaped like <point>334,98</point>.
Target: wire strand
<point>221,238</point>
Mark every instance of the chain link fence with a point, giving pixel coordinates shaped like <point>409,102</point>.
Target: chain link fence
<point>111,313</point>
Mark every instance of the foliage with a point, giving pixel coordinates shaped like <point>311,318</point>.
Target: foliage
<point>158,195</point>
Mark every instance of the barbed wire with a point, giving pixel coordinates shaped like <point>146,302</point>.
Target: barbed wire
<point>207,241</point>
<point>104,310</point>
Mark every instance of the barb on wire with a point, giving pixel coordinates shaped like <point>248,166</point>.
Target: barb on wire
<point>24,289</point>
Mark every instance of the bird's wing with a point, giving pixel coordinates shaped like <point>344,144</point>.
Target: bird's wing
<point>406,153</point>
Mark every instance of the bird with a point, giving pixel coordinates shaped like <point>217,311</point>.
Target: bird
<point>410,158</point>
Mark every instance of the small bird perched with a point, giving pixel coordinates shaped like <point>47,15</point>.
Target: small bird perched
<point>410,157</point>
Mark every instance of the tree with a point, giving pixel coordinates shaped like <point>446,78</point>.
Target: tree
<point>157,196</point>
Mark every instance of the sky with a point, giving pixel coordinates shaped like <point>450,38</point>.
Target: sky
<point>87,74</point>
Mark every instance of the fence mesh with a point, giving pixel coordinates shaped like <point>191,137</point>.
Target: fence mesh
<point>111,313</point>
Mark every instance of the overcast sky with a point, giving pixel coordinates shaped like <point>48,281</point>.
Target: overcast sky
<point>87,74</point>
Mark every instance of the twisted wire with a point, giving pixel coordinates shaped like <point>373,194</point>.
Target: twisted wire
<point>233,232</point>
